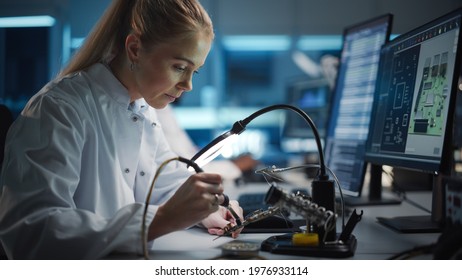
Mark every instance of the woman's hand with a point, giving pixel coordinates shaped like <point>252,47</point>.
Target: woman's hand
<point>216,221</point>
<point>192,202</point>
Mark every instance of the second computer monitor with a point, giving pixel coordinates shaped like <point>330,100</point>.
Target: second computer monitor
<point>413,111</point>
<point>352,101</point>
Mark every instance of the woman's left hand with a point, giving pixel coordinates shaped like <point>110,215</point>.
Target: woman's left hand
<point>218,220</point>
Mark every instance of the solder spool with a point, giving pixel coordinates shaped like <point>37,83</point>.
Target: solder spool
<point>305,239</point>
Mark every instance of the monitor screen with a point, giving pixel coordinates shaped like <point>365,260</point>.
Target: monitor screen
<point>352,101</point>
<point>411,126</point>
<point>413,111</point>
<point>311,96</point>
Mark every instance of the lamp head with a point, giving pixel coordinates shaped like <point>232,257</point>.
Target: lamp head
<point>212,150</point>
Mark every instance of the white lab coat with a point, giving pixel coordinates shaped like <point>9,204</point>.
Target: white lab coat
<point>183,145</point>
<point>78,165</point>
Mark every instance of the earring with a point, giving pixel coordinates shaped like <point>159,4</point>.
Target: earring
<point>132,66</point>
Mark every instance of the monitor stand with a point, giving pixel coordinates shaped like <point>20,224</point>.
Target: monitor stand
<point>411,224</point>
<point>375,191</point>
<point>421,224</point>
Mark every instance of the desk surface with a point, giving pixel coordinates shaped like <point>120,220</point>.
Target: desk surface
<point>374,241</point>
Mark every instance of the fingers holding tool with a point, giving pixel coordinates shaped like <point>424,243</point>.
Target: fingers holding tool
<point>229,216</point>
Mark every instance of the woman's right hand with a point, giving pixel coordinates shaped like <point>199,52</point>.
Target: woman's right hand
<point>190,204</point>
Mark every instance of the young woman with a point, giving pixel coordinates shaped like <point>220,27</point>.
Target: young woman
<point>81,157</point>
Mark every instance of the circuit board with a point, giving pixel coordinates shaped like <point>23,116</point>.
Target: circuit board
<point>427,114</point>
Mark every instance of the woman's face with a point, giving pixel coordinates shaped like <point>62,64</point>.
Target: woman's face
<point>164,72</point>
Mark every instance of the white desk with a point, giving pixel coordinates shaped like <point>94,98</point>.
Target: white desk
<point>374,241</point>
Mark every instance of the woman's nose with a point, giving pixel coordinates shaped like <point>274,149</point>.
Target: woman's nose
<point>186,84</point>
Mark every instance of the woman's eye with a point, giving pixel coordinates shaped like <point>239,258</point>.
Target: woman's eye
<point>180,68</point>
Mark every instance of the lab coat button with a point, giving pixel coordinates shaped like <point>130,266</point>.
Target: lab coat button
<point>142,173</point>
<point>127,170</point>
<point>153,124</point>
<point>134,118</point>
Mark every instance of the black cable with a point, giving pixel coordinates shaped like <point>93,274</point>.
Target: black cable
<point>402,193</point>
<point>414,252</point>
<point>191,163</point>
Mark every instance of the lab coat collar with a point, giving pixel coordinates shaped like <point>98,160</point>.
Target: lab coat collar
<point>102,74</point>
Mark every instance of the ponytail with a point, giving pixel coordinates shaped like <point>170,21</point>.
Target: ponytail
<point>106,38</point>
<point>154,21</point>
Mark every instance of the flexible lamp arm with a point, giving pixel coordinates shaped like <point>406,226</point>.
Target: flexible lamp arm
<point>244,122</point>
<point>239,127</point>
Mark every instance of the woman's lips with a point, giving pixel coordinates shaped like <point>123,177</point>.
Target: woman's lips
<point>171,97</point>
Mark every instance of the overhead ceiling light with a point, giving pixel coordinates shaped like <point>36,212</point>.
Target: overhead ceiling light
<point>27,21</point>
<point>319,42</point>
<point>257,43</point>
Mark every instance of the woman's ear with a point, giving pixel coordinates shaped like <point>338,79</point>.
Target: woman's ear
<point>132,46</point>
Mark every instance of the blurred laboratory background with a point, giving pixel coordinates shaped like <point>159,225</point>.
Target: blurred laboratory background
<point>266,52</point>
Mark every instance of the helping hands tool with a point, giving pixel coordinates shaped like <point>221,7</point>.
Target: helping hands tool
<point>255,216</point>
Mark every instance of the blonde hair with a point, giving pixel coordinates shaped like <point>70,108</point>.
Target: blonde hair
<point>154,21</point>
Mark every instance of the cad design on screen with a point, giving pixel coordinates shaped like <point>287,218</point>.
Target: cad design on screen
<point>414,96</point>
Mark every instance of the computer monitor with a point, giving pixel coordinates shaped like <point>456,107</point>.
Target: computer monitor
<point>413,110</point>
<point>311,96</point>
<point>351,105</point>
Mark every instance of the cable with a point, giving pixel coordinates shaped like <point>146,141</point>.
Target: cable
<point>144,238</point>
<point>414,252</point>
<point>402,193</point>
